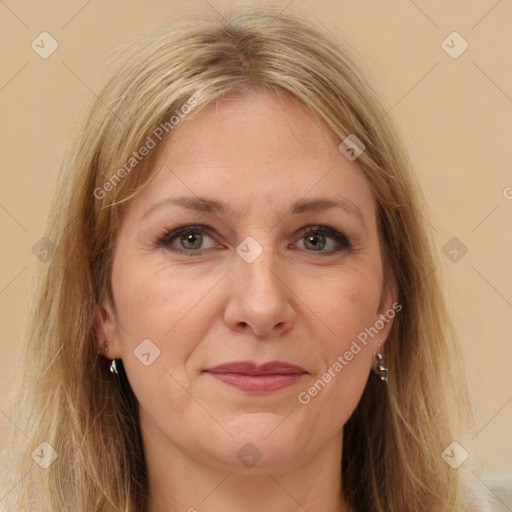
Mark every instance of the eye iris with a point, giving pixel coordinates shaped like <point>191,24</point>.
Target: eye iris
<point>195,240</point>
<point>316,241</point>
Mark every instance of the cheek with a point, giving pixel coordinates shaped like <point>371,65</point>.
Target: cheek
<point>167,308</point>
<point>346,354</point>
<point>170,313</point>
<point>153,300</point>
<point>347,307</point>
<point>347,304</point>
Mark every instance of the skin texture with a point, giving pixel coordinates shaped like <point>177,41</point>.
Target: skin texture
<point>259,154</point>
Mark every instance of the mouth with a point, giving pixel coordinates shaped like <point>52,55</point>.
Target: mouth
<point>251,377</point>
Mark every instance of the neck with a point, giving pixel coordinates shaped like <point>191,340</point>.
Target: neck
<point>179,483</point>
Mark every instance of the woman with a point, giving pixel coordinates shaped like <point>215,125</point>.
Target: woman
<point>242,310</point>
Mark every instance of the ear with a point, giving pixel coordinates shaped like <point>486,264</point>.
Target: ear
<point>387,310</point>
<point>107,331</point>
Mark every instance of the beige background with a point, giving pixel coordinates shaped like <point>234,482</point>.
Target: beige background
<point>455,114</point>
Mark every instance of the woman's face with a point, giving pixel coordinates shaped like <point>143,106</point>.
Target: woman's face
<point>277,259</point>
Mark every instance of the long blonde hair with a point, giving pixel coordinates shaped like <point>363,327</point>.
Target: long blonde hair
<point>65,395</point>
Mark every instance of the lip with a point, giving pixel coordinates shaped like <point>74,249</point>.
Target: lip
<point>251,377</point>
<point>252,368</point>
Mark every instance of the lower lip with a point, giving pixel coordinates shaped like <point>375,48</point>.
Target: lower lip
<point>258,383</point>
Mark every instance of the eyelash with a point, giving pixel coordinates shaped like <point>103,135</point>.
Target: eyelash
<point>167,236</point>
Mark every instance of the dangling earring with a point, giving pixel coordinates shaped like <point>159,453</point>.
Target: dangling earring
<point>113,367</point>
<point>380,365</point>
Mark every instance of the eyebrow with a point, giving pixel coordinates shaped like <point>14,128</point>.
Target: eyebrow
<point>216,207</point>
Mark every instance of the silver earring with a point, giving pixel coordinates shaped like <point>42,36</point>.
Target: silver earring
<point>113,367</point>
<point>380,367</point>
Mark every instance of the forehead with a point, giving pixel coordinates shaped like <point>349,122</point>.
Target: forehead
<point>258,128</point>
<point>255,152</point>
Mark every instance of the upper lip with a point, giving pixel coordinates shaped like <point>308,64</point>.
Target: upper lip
<point>252,368</point>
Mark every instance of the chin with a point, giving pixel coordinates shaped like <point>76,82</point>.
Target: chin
<point>260,442</point>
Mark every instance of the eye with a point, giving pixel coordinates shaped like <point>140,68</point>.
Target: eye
<point>191,239</point>
<point>186,239</point>
<point>324,240</point>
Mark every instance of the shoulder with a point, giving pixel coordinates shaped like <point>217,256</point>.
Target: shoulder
<point>477,497</point>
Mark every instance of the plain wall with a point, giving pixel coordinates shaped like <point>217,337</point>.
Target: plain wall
<point>454,113</point>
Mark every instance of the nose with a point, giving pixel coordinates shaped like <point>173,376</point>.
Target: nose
<point>259,298</point>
